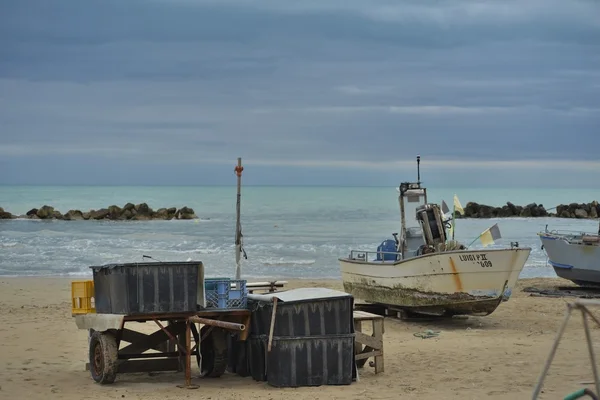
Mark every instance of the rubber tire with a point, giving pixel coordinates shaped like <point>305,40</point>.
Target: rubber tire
<point>103,357</point>
<point>214,352</point>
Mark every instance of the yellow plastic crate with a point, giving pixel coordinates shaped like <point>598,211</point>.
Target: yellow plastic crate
<point>82,296</point>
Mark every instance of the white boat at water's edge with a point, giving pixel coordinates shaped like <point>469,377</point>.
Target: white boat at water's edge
<point>574,256</point>
<point>422,271</point>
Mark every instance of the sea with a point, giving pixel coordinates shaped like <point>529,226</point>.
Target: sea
<point>294,232</point>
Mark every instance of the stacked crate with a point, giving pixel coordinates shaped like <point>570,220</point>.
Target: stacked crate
<point>312,342</point>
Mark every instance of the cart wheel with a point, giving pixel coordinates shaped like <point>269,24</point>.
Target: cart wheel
<point>213,358</point>
<point>103,357</point>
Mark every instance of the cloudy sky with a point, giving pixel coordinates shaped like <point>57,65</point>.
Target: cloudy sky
<point>342,92</point>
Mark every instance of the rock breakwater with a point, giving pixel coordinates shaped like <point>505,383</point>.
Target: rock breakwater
<point>129,212</point>
<point>573,210</point>
<point>142,212</point>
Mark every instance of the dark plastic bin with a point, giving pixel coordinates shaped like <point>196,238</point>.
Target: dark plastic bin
<point>310,317</point>
<point>257,357</point>
<point>303,361</point>
<point>237,357</point>
<point>146,288</point>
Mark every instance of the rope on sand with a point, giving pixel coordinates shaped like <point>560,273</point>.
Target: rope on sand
<point>427,334</point>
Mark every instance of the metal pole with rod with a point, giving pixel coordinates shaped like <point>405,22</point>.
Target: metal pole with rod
<point>580,305</point>
<point>588,338</point>
<point>561,330</point>
<point>238,227</point>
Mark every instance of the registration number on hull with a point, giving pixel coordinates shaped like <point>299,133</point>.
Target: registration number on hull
<point>480,259</point>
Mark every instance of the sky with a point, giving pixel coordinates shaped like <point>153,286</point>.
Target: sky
<point>324,92</point>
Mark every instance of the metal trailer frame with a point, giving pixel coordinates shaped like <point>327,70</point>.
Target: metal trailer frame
<point>171,343</point>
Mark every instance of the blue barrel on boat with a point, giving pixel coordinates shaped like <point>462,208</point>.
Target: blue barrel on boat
<point>386,251</point>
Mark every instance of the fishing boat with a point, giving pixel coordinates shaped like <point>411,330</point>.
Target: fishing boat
<point>573,255</point>
<point>423,272</point>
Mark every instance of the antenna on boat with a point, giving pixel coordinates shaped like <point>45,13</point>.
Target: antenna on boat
<point>418,168</point>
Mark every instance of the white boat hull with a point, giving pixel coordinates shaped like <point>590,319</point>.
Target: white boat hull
<point>453,282</point>
<point>577,262</point>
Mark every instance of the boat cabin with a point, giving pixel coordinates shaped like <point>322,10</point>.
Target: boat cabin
<point>426,231</point>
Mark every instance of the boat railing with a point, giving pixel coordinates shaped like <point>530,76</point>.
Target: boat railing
<point>365,255</point>
<point>565,232</point>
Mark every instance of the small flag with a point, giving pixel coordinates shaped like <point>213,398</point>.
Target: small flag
<point>489,235</point>
<point>445,209</point>
<point>457,205</point>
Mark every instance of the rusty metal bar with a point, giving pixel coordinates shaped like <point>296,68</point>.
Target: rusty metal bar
<point>220,324</point>
<point>173,338</point>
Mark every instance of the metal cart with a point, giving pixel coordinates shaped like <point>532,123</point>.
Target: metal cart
<point>169,348</point>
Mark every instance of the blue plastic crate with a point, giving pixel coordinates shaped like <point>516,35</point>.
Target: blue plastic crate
<point>211,283</point>
<point>224,293</point>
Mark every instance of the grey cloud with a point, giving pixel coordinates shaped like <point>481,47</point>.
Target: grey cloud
<point>192,81</point>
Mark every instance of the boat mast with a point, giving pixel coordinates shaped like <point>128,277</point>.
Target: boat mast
<point>402,221</point>
<point>238,227</point>
<point>419,179</point>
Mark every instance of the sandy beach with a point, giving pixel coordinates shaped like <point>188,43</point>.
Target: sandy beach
<point>43,354</point>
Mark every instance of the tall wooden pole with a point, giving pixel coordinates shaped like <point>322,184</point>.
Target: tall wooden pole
<point>238,229</point>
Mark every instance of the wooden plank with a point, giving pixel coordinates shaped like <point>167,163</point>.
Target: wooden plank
<point>357,329</point>
<point>153,340</point>
<point>367,340</point>
<point>148,355</point>
<point>130,336</point>
<point>378,333</point>
<point>369,354</point>
<point>166,364</point>
<point>365,316</point>
<point>99,322</point>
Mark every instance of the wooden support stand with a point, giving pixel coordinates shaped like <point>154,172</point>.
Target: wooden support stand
<point>373,345</point>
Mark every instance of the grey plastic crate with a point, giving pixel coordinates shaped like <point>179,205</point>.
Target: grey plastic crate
<point>146,288</point>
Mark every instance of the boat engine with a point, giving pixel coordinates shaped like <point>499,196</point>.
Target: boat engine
<point>430,218</point>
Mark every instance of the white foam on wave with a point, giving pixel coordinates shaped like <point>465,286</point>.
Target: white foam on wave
<point>288,263</point>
